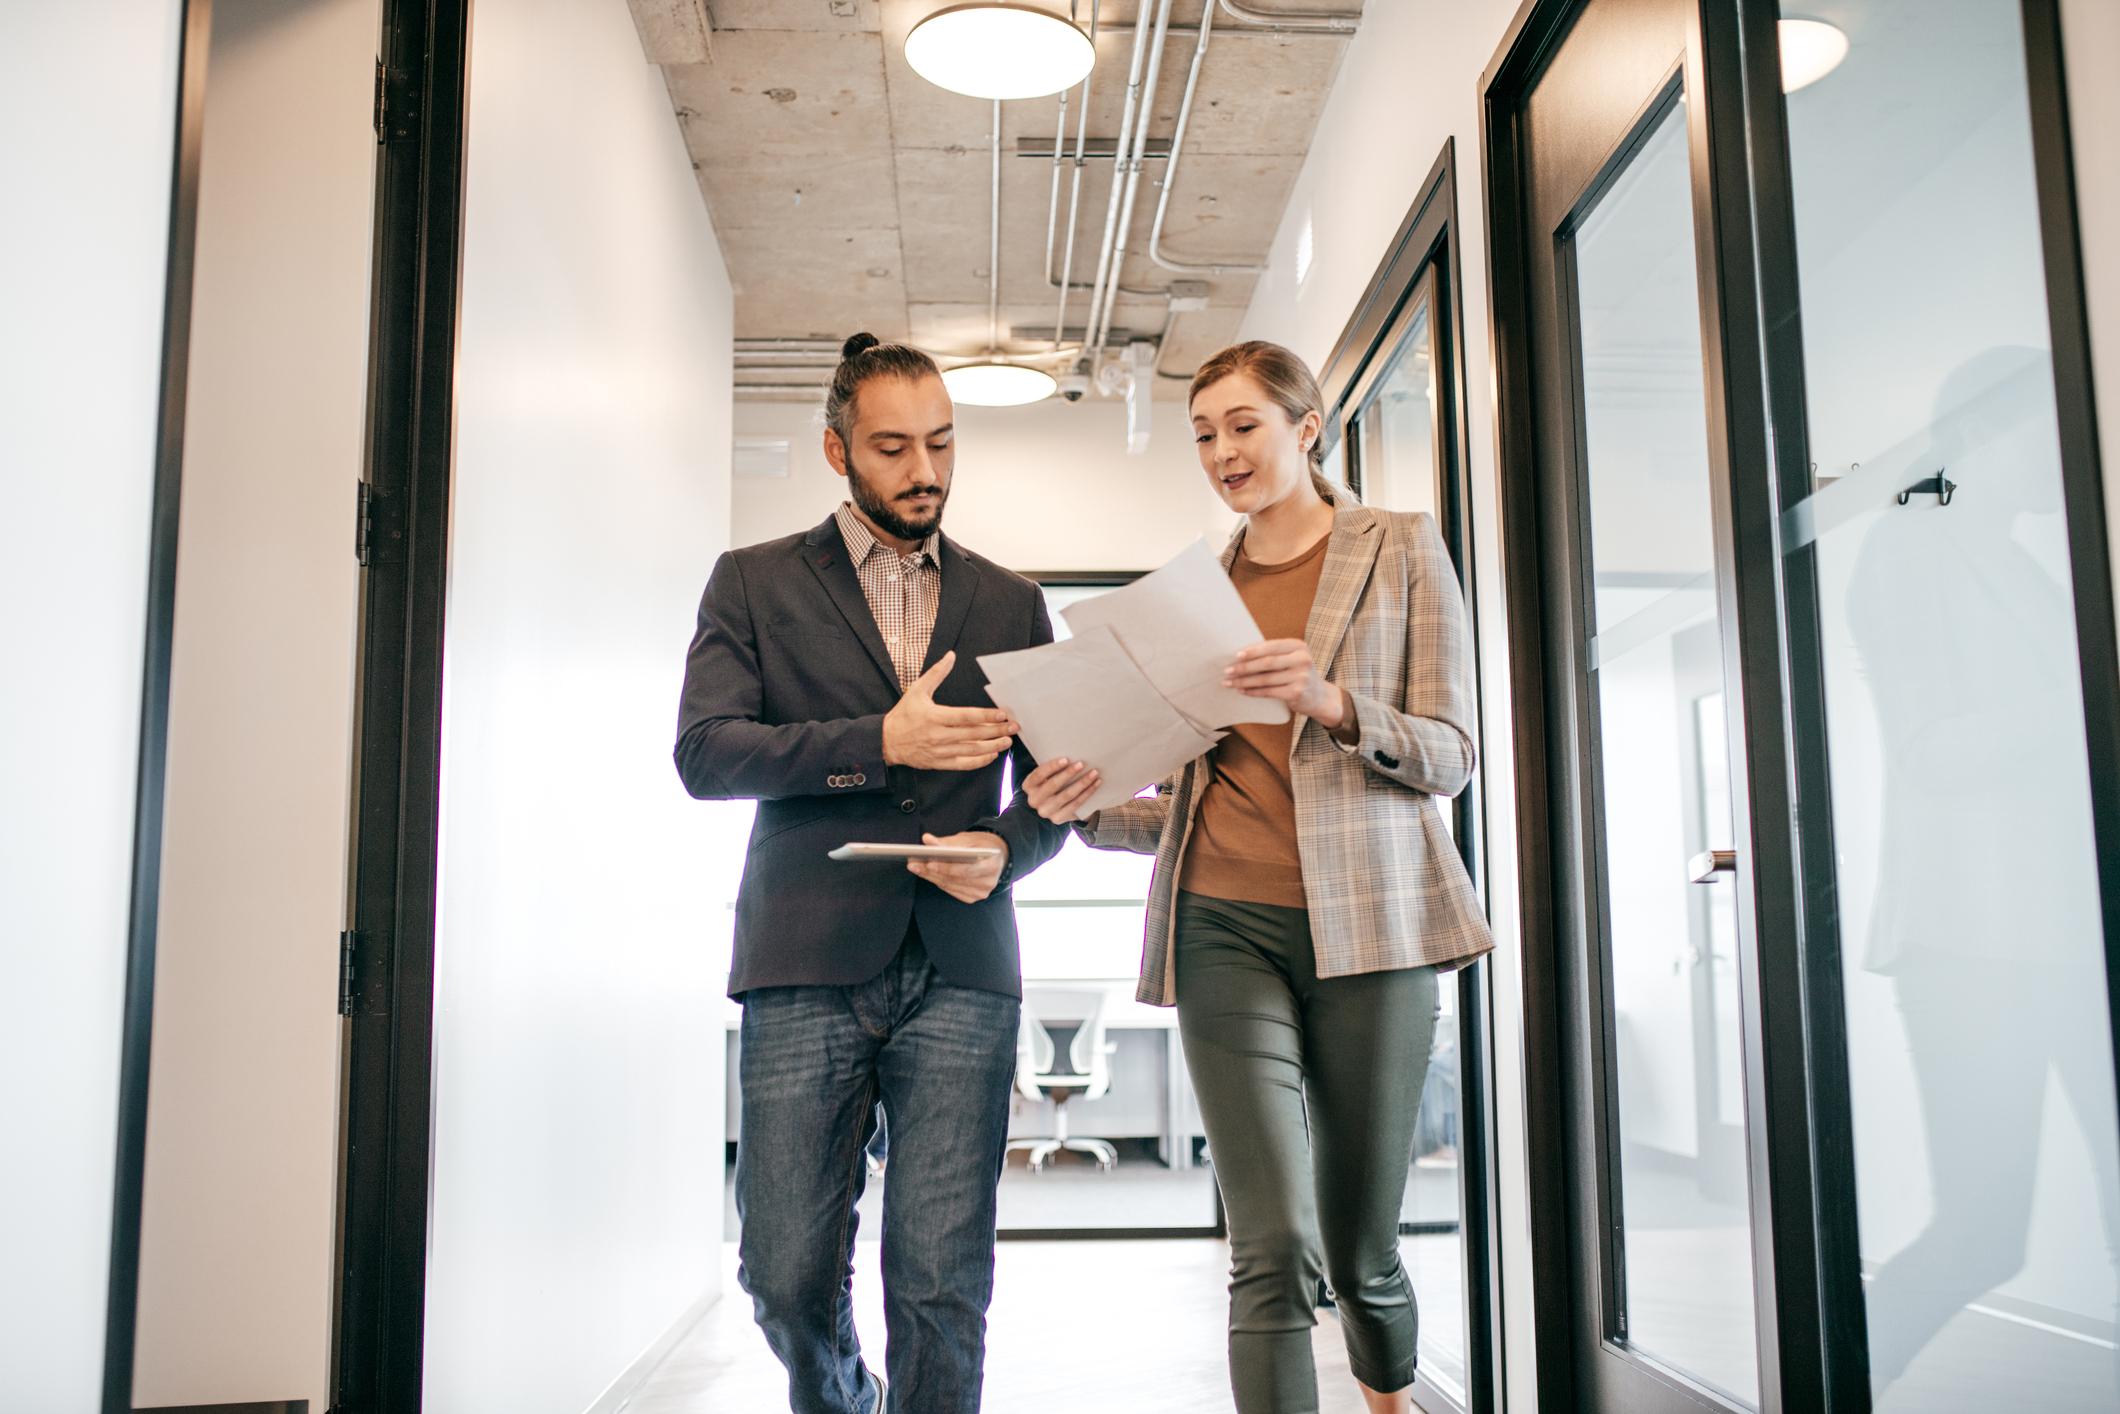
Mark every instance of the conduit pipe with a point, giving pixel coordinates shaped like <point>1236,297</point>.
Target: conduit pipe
<point>1074,194</point>
<point>1170,171</point>
<point>993,247</point>
<point>1100,327</point>
<point>1127,115</point>
<point>1342,22</point>
<point>1052,202</point>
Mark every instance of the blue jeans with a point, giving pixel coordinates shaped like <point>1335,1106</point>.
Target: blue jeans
<point>815,1062</point>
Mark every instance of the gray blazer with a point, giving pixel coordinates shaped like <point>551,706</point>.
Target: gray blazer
<point>1385,884</point>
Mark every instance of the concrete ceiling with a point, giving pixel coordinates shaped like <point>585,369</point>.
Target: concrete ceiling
<point>849,193</point>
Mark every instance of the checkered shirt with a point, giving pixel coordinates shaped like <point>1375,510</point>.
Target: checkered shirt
<point>904,591</point>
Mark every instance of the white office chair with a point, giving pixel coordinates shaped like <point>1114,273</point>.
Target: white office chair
<point>1088,1076</point>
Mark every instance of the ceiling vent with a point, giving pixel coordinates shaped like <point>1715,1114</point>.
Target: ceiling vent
<point>762,456</point>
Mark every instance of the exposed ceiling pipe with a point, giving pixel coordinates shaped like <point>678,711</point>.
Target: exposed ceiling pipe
<point>1170,173</point>
<point>993,247</point>
<point>1074,195</point>
<point>1343,22</point>
<point>1127,114</point>
<point>763,345</point>
<point>1052,202</point>
<point>1103,323</point>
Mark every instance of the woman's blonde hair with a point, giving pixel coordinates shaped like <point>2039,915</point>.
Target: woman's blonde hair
<point>1286,379</point>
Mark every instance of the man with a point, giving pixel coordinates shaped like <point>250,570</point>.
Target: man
<point>833,679</point>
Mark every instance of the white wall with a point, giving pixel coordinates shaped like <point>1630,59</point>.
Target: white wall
<point>1409,82</point>
<point>577,1172</point>
<point>1045,487</point>
<point>236,1261</point>
<point>90,91</point>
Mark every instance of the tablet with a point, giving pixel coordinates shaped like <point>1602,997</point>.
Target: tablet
<point>947,854</point>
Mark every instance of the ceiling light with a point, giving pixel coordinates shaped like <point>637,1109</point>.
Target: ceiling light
<point>999,51</point>
<point>998,385</point>
<point>1810,49</point>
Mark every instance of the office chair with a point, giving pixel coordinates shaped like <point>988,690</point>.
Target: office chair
<point>1089,1073</point>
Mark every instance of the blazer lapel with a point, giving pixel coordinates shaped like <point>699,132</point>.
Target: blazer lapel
<point>825,550</point>
<point>1348,558</point>
<point>960,585</point>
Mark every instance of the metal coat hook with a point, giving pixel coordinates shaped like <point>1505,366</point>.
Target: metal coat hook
<point>1939,486</point>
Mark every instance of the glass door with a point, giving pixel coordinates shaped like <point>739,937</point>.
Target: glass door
<point>1123,1153</point>
<point>1820,843</point>
<point>1397,449</point>
<point>1644,746</point>
<point>1928,553</point>
<point>1395,460</point>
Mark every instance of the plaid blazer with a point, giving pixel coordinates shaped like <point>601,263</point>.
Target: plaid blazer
<point>1385,885</point>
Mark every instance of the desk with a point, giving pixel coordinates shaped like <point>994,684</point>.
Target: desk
<point>1175,1113</point>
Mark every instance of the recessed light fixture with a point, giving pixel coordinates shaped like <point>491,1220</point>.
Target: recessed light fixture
<point>1810,49</point>
<point>992,50</point>
<point>994,384</point>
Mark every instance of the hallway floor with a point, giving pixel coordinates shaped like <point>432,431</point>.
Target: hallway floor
<point>1137,1326</point>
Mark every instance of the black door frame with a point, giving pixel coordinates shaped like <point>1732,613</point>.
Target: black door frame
<point>1423,258</point>
<point>1814,1348</point>
<point>380,1303</point>
<point>121,1302</point>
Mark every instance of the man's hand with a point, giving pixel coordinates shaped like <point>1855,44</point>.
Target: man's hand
<point>919,734</point>
<point>966,883</point>
<point>1059,788</point>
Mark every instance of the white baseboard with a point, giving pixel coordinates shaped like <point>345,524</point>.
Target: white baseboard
<point>621,1390</point>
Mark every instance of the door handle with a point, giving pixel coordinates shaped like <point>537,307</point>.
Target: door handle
<point>1703,867</point>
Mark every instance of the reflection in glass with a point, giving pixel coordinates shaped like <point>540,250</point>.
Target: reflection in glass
<point>1684,1241</point>
<point>1400,471</point>
<point>1399,453</point>
<point>1987,1165</point>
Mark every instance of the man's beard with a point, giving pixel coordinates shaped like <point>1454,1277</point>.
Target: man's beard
<point>886,514</point>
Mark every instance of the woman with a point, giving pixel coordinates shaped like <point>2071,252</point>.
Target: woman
<point>1306,894</point>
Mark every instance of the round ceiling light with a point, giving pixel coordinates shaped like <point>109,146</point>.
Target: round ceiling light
<point>1810,49</point>
<point>998,385</point>
<point>999,51</point>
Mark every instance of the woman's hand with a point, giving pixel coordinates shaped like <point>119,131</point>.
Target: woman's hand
<point>1058,789</point>
<point>1280,668</point>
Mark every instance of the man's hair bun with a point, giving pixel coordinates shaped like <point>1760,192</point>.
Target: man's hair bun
<point>882,361</point>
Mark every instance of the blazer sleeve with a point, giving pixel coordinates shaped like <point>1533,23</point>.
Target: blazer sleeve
<point>1031,838</point>
<point>724,752</point>
<point>1136,826</point>
<point>1427,745</point>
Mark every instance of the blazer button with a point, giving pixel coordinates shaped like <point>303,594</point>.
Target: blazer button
<point>1389,763</point>
<point>907,807</point>
<point>861,778</point>
<point>835,781</point>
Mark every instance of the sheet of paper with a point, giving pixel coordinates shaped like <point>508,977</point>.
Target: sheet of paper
<point>1182,625</point>
<point>1084,698</point>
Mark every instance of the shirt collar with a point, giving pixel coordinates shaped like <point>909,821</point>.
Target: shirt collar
<point>862,542</point>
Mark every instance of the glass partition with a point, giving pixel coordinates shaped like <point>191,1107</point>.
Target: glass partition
<point>1080,918</point>
<point>1973,957</point>
<point>1397,448</point>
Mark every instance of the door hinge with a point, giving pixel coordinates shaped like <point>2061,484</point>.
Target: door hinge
<point>363,523</point>
<point>348,942</point>
<point>396,108</point>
